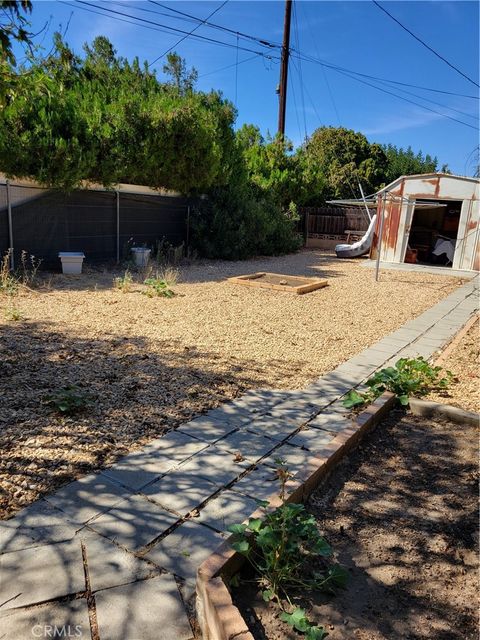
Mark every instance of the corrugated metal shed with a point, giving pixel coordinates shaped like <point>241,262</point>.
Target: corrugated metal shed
<point>398,202</point>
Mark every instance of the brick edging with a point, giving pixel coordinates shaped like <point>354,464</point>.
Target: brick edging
<point>218,617</point>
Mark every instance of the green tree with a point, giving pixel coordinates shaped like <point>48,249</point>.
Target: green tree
<point>181,78</point>
<point>102,119</point>
<point>404,162</point>
<point>343,158</point>
<point>13,27</point>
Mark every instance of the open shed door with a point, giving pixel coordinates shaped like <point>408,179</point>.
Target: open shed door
<point>467,238</point>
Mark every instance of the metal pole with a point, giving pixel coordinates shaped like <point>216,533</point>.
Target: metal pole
<point>382,215</point>
<point>284,68</point>
<point>118,226</point>
<point>10,226</point>
<point>305,229</point>
<point>365,202</point>
<point>188,231</point>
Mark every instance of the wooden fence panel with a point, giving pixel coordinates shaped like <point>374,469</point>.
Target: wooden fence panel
<point>331,220</point>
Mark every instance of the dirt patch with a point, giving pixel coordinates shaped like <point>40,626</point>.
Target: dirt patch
<point>401,515</point>
<point>464,362</point>
<point>151,363</point>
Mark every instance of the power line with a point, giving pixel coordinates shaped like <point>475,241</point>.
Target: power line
<point>156,26</point>
<point>353,77</point>
<point>422,42</point>
<point>228,66</point>
<point>439,104</point>
<point>383,81</point>
<point>189,34</point>
<point>417,104</point>
<point>160,26</point>
<point>236,74</point>
<point>265,43</point>
<point>269,44</point>
<point>299,70</point>
<point>318,60</point>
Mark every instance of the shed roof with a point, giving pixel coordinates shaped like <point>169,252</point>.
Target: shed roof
<point>416,176</point>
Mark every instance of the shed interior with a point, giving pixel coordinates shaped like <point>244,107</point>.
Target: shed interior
<point>433,232</point>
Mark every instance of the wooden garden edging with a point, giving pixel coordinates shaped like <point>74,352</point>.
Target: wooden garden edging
<point>218,617</point>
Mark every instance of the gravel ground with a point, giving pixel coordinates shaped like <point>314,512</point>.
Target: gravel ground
<point>151,363</point>
<point>401,516</point>
<point>464,362</point>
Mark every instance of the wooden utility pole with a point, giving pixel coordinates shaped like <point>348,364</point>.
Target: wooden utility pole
<point>284,68</point>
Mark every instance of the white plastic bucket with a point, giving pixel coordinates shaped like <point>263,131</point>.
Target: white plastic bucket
<point>72,262</point>
<point>141,256</point>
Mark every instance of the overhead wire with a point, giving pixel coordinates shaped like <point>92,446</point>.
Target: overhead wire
<point>156,26</point>
<point>443,115</point>
<point>423,43</point>
<point>236,73</point>
<point>299,70</point>
<point>263,42</point>
<point>358,79</point>
<point>332,99</point>
<point>349,73</point>
<point>329,65</point>
<point>229,66</point>
<point>271,44</point>
<point>187,35</point>
<point>292,86</point>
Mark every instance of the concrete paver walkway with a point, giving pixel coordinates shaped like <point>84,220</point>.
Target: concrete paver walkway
<point>114,555</point>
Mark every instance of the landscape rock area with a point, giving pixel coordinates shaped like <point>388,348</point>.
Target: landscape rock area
<point>149,364</point>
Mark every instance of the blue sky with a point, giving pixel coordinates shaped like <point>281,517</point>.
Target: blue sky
<point>355,35</point>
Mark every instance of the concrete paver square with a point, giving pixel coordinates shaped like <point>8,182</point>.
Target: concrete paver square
<point>227,509</point>
<point>133,523</point>
<point>217,465</point>
<point>275,428</point>
<point>261,483</point>
<point>110,566</point>
<point>83,499</point>
<point>312,439</point>
<point>180,491</point>
<point>184,550</point>
<point>294,458</point>
<point>175,447</point>
<point>147,610</point>
<point>335,419</point>
<point>250,445</point>
<point>41,573</point>
<point>40,622</point>
<point>231,412</point>
<point>297,412</point>
<point>160,456</point>
<point>39,523</point>
<point>206,429</point>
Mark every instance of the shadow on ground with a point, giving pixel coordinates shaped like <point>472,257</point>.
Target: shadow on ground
<point>402,516</point>
<point>133,394</point>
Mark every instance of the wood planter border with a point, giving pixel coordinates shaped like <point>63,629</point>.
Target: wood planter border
<point>303,285</point>
<point>218,617</point>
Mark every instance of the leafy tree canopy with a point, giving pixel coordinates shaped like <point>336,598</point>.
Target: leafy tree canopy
<point>101,119</point>
<point>404,162</point>
<point>13,26</point>
<point>344,158</point>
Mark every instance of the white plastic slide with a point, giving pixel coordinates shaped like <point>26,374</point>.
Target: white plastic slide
<point>359,248</point>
